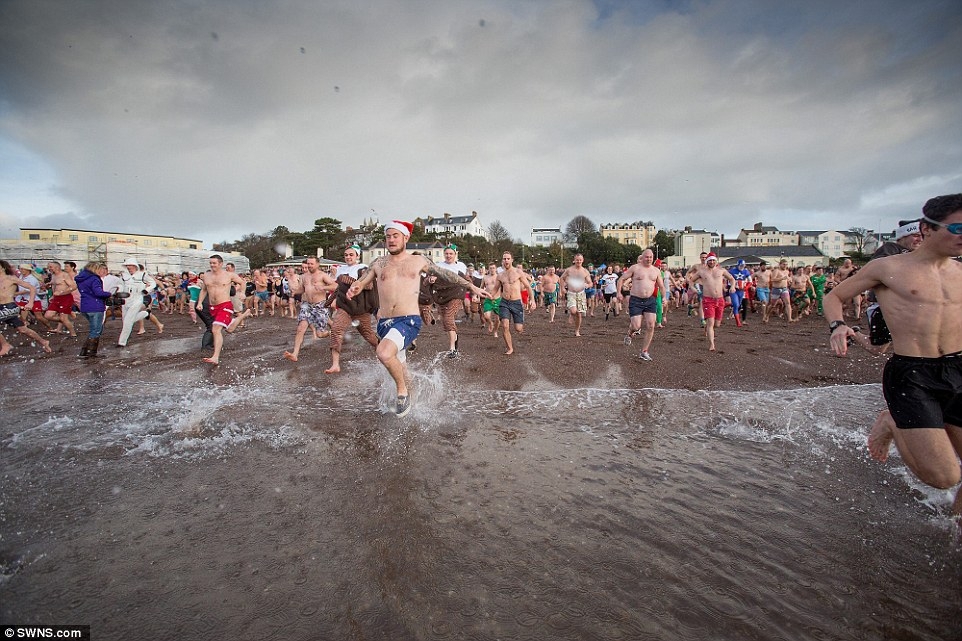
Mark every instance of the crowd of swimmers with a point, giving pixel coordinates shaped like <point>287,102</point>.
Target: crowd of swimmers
<point>916,280</point>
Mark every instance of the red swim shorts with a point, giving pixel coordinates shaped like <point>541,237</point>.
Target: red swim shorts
<point>61,304</point>
<point>223,313</point>
<point>714,307</point>
<point>37,305</point>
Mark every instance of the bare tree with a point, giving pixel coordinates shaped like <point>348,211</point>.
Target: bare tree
<point>578,226</point>
<point>498,233</point>
<point>859,236</point>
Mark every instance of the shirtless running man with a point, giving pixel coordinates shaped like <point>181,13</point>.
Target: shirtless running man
<point>574,281</point>
<point>491,305</point>
<point>398,282</point>
<point>62,287</point>
<point>921,293</point>
<point>216,284</point>
<point>509,285</point>
<point>843,273</point>
<point>549,292</point>
<point>10,312</point>
<point>646,286</point>
<point>261,296</point>
<point>314,287</point>
<point>763,287</point>
<point>712,278</point>
<point>779,292</point>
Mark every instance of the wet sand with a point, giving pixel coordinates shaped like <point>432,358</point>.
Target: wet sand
<point>569,491</point>
<point>776,355</point>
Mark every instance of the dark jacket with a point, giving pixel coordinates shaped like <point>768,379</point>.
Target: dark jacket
<point>364,303</point>
<point>92,294</point>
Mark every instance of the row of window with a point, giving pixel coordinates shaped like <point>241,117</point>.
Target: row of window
<point>96,239</point>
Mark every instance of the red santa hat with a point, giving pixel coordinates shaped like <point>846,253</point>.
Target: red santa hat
<point>402,226</point>
<point>711,256</point>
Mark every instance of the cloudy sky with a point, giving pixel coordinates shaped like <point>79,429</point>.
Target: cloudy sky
<point>211,120</point>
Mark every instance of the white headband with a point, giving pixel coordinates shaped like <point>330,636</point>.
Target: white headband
<point>907,230</point>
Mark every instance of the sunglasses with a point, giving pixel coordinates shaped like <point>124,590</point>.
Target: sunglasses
<point>952,228</point>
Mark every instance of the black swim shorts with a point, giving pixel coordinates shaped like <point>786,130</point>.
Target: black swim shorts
<point>924,392</point>
<point>638,306</point>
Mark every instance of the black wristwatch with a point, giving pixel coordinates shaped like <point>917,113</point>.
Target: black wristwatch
<point>835,325</point>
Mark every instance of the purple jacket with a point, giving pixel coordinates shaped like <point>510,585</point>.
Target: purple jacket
<point>92,294</point>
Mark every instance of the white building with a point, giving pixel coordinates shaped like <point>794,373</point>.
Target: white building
<point>689,244</point>
<point>762,237</point>
<point>434,251</point>
<point>449,225</point>
<point>841,243</point>
<point>546,236</point>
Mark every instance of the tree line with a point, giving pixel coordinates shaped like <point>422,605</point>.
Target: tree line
<point>329,235</point>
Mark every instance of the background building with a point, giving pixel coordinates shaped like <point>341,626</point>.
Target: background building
<point>434,251</point>
<point>689,244</point>
<point>449,225</point>
<point>761,236</point>
<point>159,254</point>
<point>546,236</point>
<point>641,234</point>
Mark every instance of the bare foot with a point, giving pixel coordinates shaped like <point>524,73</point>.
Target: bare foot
<point>160,328</point>
<point>45,345</point>
<point>211,361</point>
<point>143,331</point>
<point>5,349</point>
<point>509,352</point>
<point>290,357</point>
<point>577,334</point>
<point>332,370</point>
<point>880,437</point>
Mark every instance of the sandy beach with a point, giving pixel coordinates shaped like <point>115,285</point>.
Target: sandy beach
<point>569,491</point>
<point>776,355</point>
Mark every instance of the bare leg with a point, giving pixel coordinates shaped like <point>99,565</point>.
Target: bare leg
<point>335,362</point>
<point>710,333</point>
<point>298,340</point>
<point>387,353</point>
<point>239,320</point>
<point>649,331</point>
<point>931,453</point>
<point>156,321</point>
<point>506,331</point>
<point>65,319</point>
<point>5,346</point>
<point>573,314</point>
<point>217,331</point>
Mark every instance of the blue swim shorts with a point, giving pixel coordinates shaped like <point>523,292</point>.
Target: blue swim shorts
<point>400,330</point>
<point>512,309</point>
<point>761,293</point>
<point>638,306</point>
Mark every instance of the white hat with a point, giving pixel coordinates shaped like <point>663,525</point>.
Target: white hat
<point>131,261</point>
<point>907,230</point>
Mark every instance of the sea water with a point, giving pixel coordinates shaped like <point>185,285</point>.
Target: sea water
<point>264,507</point>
